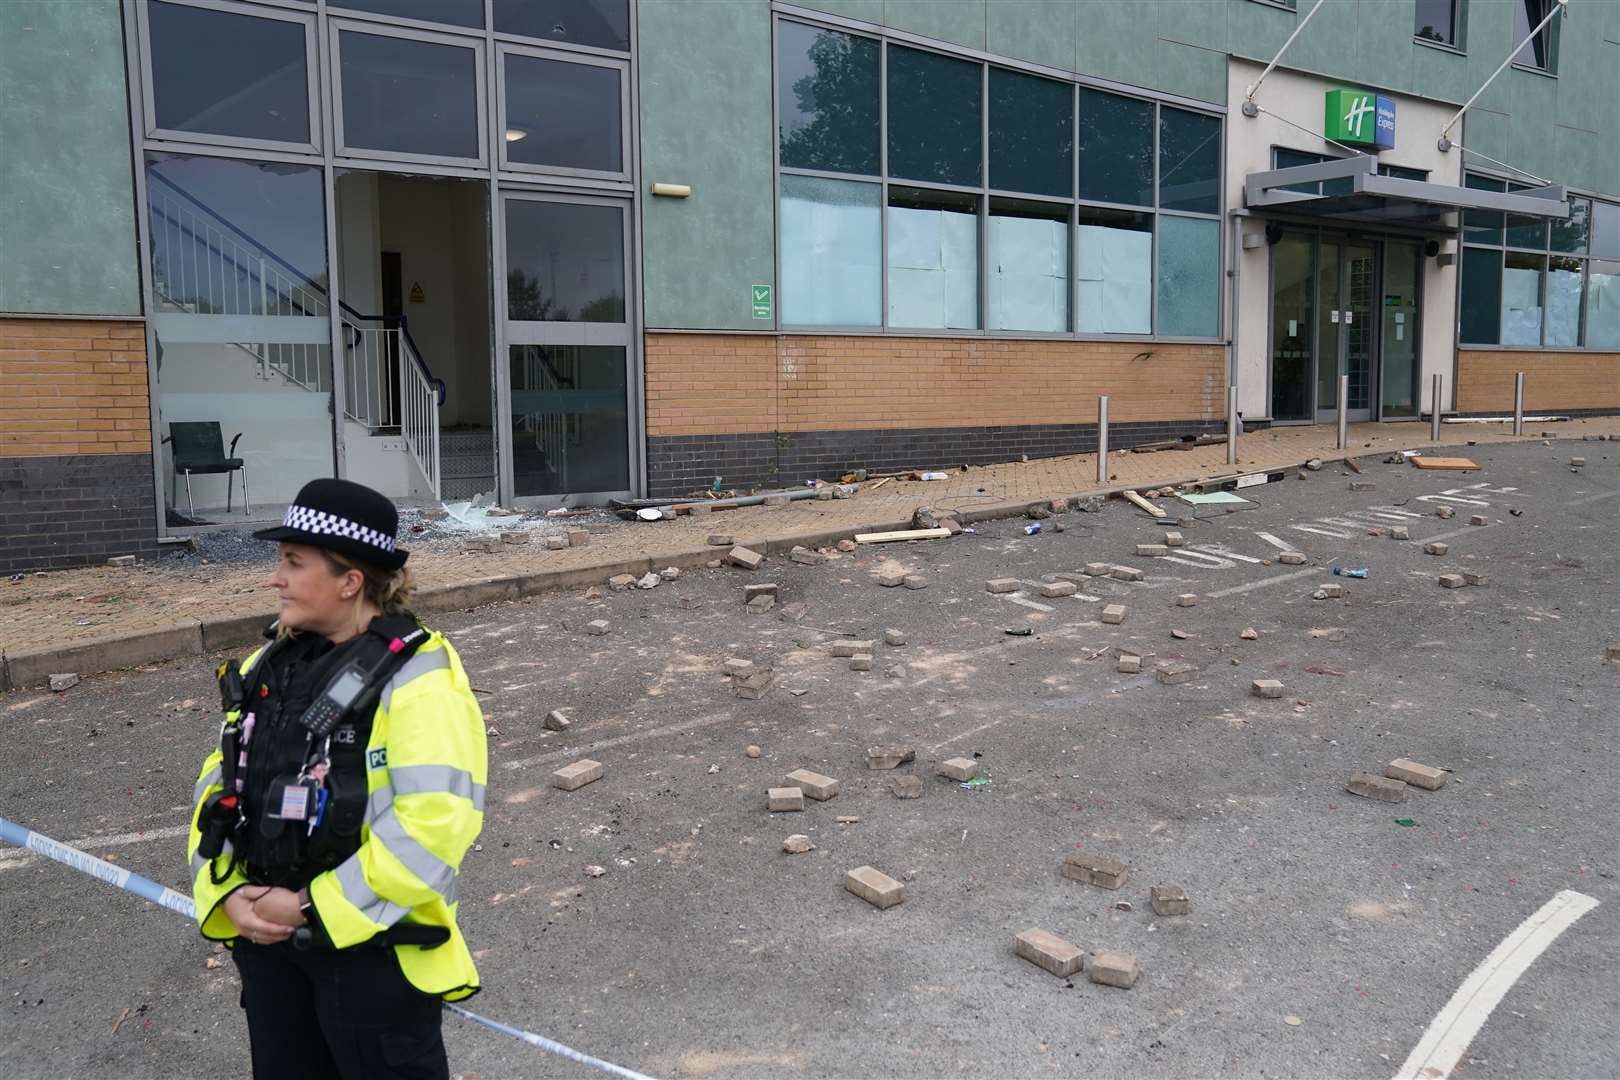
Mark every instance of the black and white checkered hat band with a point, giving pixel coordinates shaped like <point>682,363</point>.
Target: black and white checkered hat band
<point>323,524</point>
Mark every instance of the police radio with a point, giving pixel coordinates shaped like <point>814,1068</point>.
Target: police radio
<point>341,692</point>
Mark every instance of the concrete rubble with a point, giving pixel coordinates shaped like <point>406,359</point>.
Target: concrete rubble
<point>66,681</point>
<point>556,721</point>
<point>797,844</point>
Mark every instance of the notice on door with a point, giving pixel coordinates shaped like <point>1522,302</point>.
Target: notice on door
<point>761,295</point>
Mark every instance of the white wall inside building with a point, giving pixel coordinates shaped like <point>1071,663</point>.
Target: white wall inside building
<point>1299,100</point>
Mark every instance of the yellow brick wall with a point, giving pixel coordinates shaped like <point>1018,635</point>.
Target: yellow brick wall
<point>73,387</point>
<point>701,384</point>
<point>1552,380</point>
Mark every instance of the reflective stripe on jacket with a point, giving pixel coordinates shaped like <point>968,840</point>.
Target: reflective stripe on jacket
<point>426,769</point>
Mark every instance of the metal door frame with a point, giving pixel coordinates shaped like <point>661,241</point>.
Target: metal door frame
<point>1327,412</point>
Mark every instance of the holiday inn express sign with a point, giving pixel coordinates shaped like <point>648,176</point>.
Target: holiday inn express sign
<point>1360,118</point>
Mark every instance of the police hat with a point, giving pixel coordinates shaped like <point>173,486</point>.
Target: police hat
<point>345,517</point>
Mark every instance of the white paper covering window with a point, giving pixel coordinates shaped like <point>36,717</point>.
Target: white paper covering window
<point>1029,274</point>
<point>832,269</point>
<point>933,269</point>
<point>1116,281</point>
<point>1603,305</point>
<point>1521,306</point>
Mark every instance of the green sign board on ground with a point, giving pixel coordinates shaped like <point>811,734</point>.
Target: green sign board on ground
<point>762,301</point>
<point>1360,118</point>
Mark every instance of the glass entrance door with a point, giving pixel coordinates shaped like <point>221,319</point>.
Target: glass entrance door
<point>1401,329</point>
<point>1346,331</point>
<point>569,345</point>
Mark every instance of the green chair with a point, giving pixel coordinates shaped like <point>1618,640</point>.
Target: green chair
<point>200,448</point>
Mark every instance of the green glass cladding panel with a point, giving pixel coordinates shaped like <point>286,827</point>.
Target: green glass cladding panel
<point>1481,298</point>
<point>67,230</point>
<point>1189,161</point>
<point>827,98</point>
<point>220,73</point>
<point>934,121</point>
<point>1189,276</point>
<point>1116,148</point>
<point>1031,134</point>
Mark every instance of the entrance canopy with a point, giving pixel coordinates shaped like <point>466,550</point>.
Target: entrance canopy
<point>1372,199</point>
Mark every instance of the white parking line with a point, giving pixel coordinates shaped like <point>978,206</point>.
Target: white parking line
<point>1263,582</point>
<point>1016,599</point>
<point>1276,542</point>
<point>1225,552</point>
<point>1593,498</point>
<point>1449,1034</point>
<point>965,734</point>
<point>1454,532</point>
<point>10,860</point>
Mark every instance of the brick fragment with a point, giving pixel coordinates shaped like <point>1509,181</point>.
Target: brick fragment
<point>1266,688</point>
<point>1098,569</point>
<point>698,509</point>
<point>1114,969</point>
<point>798,844</point>
<point>889,757</point>
<point>1129,664</point>
<point>620,582</point>
<point>576,775</point>
<point>1048,951</point>
<point>1002,585</point>
<point>791,612</point>
<point>1436,548</point>
<point>1097,870</point>
<point>1175,672</point>
<point>485,544</point>
<point>1328,633</point>
<point>852,648</point>
<point>1577,462</point>
<point>1292,558</point>
<point>893,638</point>
<point>1452,581</point>
<point>907,787</point>
<point>951,525</point>
<point>512,538</point>
<point>755,685</point>
<point>768,588</point>
<point>556,721</point>
<point>1611,652</point>
<point>1169,900</point>
<point>1187,600</point>
<point>1410,772</point>
<point>743,557</point>
<point>64,681</point>
<point>1152,551</point>
<point>1471,577</point>
<point>861,662</point>
<point>760,604</point>
<point>805,557</point>
<point>721,540</point>
<point>960,769</point>
<point>1174,539</point>
<point>597,627</point>
<point>1329,591</point>
<point>1479,519</point>
<point>784,800</point>
<point>1249,634</point>
<point>1400,532</point>
<point>814,784</point>
<point>578,537</point>
<point>556,543</point>
<point>1067,575</point>
<point>1126,573</point>
<point>875,887</point>
<point>1369,786</point>
<point>736,665</point>
<point>915,581</point>
<point>891,581</point>
<point>1113,614</point>
<point>1059,588</point>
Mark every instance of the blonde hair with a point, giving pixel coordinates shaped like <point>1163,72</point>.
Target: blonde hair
<point>388,590</point>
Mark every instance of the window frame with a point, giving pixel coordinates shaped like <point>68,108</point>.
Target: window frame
<point>986,194</point>
<point>359,155</point>
<point>312,90</point>
<point>506,37</point>
<point>1458,45</point>
<point>622,66</point>
<point>1552,30</point>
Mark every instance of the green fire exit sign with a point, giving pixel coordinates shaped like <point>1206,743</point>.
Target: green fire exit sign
<point>762,301</point>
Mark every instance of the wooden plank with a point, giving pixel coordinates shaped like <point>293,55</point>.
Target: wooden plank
<point>1137,500</point>
<point>904,534</point>
<point>1460,463</point>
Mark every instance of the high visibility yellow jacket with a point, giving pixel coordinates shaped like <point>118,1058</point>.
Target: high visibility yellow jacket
<point>426,767</point>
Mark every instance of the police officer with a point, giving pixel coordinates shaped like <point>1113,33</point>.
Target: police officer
<point>330,825</point>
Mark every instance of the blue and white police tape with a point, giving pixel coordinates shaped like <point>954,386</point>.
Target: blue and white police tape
<point>180,904</point>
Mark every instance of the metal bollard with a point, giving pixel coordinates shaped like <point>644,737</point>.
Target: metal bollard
<point>1344,411</point>
<point>1518,404</point>
<point>1102,439</point>
<point>1231,425</point>
<point>1434,410</point>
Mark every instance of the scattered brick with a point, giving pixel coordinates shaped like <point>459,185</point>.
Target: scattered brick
<point>852,648</point>
<point>1067,575</point>
<point>620,582</point>
<point>915,581</point>
<point>960,769</point>
<point>1187,599</point>
<point>784,800</point>
<point>1452,581</point>
<point>797,844</point>
<point>768,588</point>
<point>1175,672</point>
<point>791,612</point>
<point>1129,664</point>
<point>891,581</point>
<point>1002,585</point>
<point>1266,688</point>
<point>699,508</point>
<point>951,525</point>
<point>1152,551</point>
<point>907,787</point>
<point>1474,578</point>
<point>760,604</point>
<point>1436,548</point>
<point>1410,772</point>
<point>1173,539</point>
<point>736,665</point>
<point>893,638</point>
<point>1363,485</point>
<point>814,784</point>
<point>805,557</point>
<point>1479,519</point>
<point>1113,614</point>
<point>1611,652</point>
<point>1400,532</point>
<point>743,557</point>
<point>876,888</point>
<point>1330,591</point>
<point>597,627</point>
<point>1577,462</point>
<point>1126,573</point>
<point>848,819</point>
<point>754,686</point>
<point>1097,870</point>
<point>1328,633</point>
<point>1059,588</point>
<point>1169,900</point>
<point>485,544</point>
<point>576,775</point>
<point>1114,969</point>
<point>514,538</point>
<point>578,537</point>
<point>1048,951</point>
<point>753,751</point>
<point>594,592</point>
<point>63,682</point>
<point>1369,786</point>
<point>1098,569</point>
<point>1249,633</point>
<point>556,721</point>
<point>1292,558</point>
<point>556,543</point>
<point>846,545</point>
<point>861,662</point>
<point>889,757</point>
<point>721,540</point>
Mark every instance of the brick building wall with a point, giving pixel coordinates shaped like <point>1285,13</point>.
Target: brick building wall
<point>778,409</point>
<point>75,443</point>
<point>1565,382</point>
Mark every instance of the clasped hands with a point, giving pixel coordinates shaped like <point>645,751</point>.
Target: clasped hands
<point>265,914</point>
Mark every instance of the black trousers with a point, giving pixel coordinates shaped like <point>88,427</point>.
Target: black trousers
<point>347,1014</point>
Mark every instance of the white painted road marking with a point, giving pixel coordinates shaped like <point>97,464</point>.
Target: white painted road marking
<point>965,734</point>
<point>1454,532</point>
<point>619,740</point>
<point>1263,582</point>
<point>1016,599</point>
<point>1275,542</point>
<point>1593,498</point>
<point>1225,552</point>
<point>1449,1034</point>
<point>10,860</point>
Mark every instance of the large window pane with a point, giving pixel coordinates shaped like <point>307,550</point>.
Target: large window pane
<point>1480,303</point>
<point>410,97</point>
<point>1436,20</point>
<point>563,115</point>
<point>454,12</point>
<point>240,318</point>
<point>1541,51</point>
<point>827,94</point>
<point>1569,234</point>
<point>603,24</point>
<point>565,262</point>
<point>1029,266</point>
<point>1521,298</point>
<point>1287,159</point>
<point>570,428</point>
<point>1603,304</point>
<point>1031,134</point>
<point>1116,148</point>
<point>1524,231</point>
<point>1189,161</point>
<point>1606,230</point>
<point>831,252</point>
<point>219,73</point>
<point>934,120</point>
<point>1189,276</point>
<point>1482,226</point>
<point>1563,301</point>
<point>1115,271</point>
<point>933,260</point>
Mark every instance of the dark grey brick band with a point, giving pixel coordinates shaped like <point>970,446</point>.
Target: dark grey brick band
<point>74,510</point>
<point>680,464</point>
